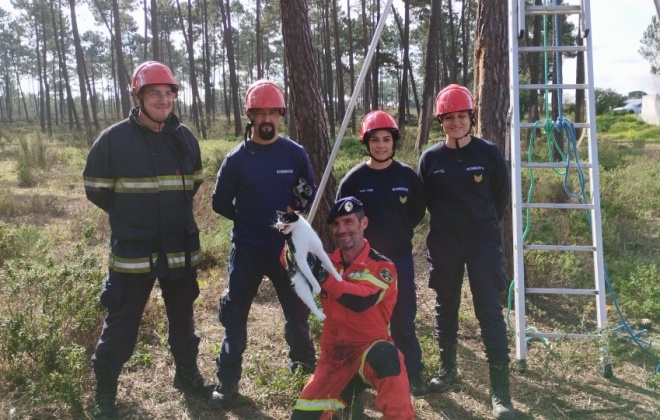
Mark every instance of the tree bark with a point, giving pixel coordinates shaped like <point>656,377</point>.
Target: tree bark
<point>327,67</point>
<point>196,110</point>
<point>339,67</point>
<point>231,62</point>
<point>122,74</point>
<point>82,70</point>
<point>307,104</point>
<point>492,91</point>
<point>365,46</point>
<point>64,71</point>
<point>351,61</point>
<point>425,118</point>
<point>155,32</point>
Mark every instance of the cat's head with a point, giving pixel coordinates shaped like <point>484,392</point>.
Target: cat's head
<point>286,221</point>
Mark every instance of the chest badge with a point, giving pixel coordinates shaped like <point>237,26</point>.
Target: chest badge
<point>403,200</point>
<point>478,178</point>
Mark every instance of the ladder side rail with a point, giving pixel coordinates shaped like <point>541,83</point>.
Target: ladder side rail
<point>594,183</point>
<point>516,7</point>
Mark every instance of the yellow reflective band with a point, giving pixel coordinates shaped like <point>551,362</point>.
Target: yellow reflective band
<point>367,276</point>
<point>131,265</point>
<point>136,185</point>
<point>171,183</point>
<point>199,176</point>
<point>176,260</point>
<point>98,183</point>
<point>154,185</point>
<point>319,405</point>
<point>195,258</point>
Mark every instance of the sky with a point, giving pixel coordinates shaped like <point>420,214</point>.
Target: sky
<point>617,30</point>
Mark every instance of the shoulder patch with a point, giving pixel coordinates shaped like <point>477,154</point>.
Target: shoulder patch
<point>386,275</point>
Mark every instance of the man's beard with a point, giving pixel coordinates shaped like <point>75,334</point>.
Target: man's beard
<point>266,135</point>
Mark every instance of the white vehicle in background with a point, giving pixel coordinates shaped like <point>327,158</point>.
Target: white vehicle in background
<point>634,107</point>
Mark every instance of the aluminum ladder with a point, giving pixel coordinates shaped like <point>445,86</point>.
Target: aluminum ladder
<point>518,11</point>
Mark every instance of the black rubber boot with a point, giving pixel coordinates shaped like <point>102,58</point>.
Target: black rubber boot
<point>448,371</point>
<point>188,379</point>
<point>418,387</point>
<point>500,396</point>
<point>106,394</point>
<point>224,392</point>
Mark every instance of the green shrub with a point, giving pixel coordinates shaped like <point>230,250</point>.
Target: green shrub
<point>639,293</point>
<point>46,312</point>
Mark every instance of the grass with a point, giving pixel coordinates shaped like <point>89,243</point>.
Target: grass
<point>53,244</point>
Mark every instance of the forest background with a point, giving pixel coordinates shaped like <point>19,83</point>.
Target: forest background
<point>52,242</point>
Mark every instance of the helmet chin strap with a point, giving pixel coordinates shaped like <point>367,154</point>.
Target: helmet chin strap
<point>380,160</point>
<point>458,144</point>
<point>247,135</point>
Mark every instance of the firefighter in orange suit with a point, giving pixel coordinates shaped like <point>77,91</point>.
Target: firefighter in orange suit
<point>355,343</point>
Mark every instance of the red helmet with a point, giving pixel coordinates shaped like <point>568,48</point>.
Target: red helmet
<point>264,94</point>
<point>453,98</point>
<point>153,73</point>
<point>378,120</point>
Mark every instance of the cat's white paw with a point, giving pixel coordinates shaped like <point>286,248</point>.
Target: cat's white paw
<point>320,315</point>
<point>316,288</point>
<point>337,277</point>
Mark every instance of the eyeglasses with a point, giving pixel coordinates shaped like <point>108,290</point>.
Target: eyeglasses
<point>156,95</point>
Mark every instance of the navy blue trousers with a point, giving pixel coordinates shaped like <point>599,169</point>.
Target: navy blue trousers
<point>245,274</point>
<point>402,323</point>
<point>480,251</point>
<point>125,298</point>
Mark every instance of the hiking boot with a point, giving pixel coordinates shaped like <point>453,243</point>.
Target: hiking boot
<point>447,373</point>
<point>106,393</point>
<point>188,379</point>
<point>417,386</point>
<point>224,392</point>
<point>499,390</point>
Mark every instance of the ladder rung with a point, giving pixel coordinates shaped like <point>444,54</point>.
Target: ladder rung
<point>582,248</point>
<point>557,335</point>
<point>563,9</point>
<point>581,86</point>
<point>532,125</point>
<point>569,206</point>
<point>553,48</point>
<point>585,165</point>
<point>555,291</point>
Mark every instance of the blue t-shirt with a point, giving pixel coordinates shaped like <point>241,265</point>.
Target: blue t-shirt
<point>254,181</point>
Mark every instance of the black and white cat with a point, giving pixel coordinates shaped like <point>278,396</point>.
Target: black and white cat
<point>303,240</point>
